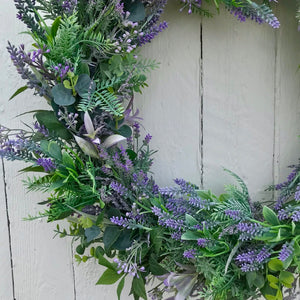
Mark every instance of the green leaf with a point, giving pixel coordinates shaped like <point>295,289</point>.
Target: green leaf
<point>270,216</point>
<point>136,9</point>
<point>19,91</point>
<point>120,287</point>
<point>124,241</point>
<point>49,120</point>
<point>68,160</point>
<point>109,277</point>
<point>54,151</point>
<point>138,287</point>
<point>84,85</point>
<point>272,278</point>
<point>155,268</point>
<point>99,252</point>
<point>251,276</point>
<point>55,26</point>
<point>270,297</point>
<point>103,261</point>
<point>275,265</point>
<point>259,281</point>
<point>125,131</point>
<point>110,236</point>
<point>191,236</point>
<point>80,249</point>
<point>132,155</point>
<point>33,169</point>
<point>286,277</point>
<point>91,233</point>
<point>67,84</point>
<point>190,221</point>
<point>62,96</point>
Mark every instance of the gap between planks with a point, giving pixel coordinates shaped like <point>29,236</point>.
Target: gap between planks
<point>8,229</point>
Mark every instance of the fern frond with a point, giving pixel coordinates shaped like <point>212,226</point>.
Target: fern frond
<point>41,184</point>
<point>65,46</point>
<point>103,98</point>
<point>97,40</point>
<point>240,181</point>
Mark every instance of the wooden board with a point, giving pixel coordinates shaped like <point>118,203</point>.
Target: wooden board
<point>287,92</point>
<point>42,266</point>
<point>238,79</point>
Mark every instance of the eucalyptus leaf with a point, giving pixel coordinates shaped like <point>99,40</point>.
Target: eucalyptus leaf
<point>62,96</point>
<point>91,233</point>
<point>125,131</point>
<point>136,9</point>
<point>85,85</point>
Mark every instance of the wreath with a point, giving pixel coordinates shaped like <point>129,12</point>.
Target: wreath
<point>96,168</point>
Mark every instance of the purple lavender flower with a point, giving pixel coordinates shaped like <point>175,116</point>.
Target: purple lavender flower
<point>167,220</point>
<point>249,268</point>
<point>263,255</point>
<point>176,235</point>
<point>248,231</point>
<point>286,251</point>
<point>252,260</point>
<point>41,129</point>
<point>119,7</point>
<point>202,242</point>
<point>120,221</point>
<point>147,37</point>
<point>69,6</point>
<point>297,193</point>
<point>136,130</point>
<point>119,188</point>
<point>128,267</point>
<point>190,254</point>
<point>233,214</point>
<point>296,215</point>
<point>46,163</point>
<point>200,203</point>
<point>147,139</point>
<point>247,257</point>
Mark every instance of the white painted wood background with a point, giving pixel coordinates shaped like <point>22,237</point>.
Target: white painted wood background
<point>227,94</point>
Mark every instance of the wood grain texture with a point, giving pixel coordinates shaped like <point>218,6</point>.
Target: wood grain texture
<point>238,78</point>
<point>42,266</point>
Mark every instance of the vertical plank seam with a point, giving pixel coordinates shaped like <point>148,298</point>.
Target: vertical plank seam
<point>9,231</point>
<point>73,273</point>
<point>201,106</point>
<point>276,131</point>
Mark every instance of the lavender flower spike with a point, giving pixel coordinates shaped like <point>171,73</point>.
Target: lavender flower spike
<point>286,251</point>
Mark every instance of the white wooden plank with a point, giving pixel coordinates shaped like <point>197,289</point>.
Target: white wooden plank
<point>87,274</point>
<point>6,283</point>
<point>238,102</point>
<point>42,266</point>
<point>171,104</point>
<point>287,126</point>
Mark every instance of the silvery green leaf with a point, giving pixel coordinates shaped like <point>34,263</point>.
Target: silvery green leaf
<point>88,124</point>
<point>62,96</point>
<point>87,147</point>
<point>112,140</point>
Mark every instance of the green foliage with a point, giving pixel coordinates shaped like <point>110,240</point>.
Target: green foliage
<point>65,44</point>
